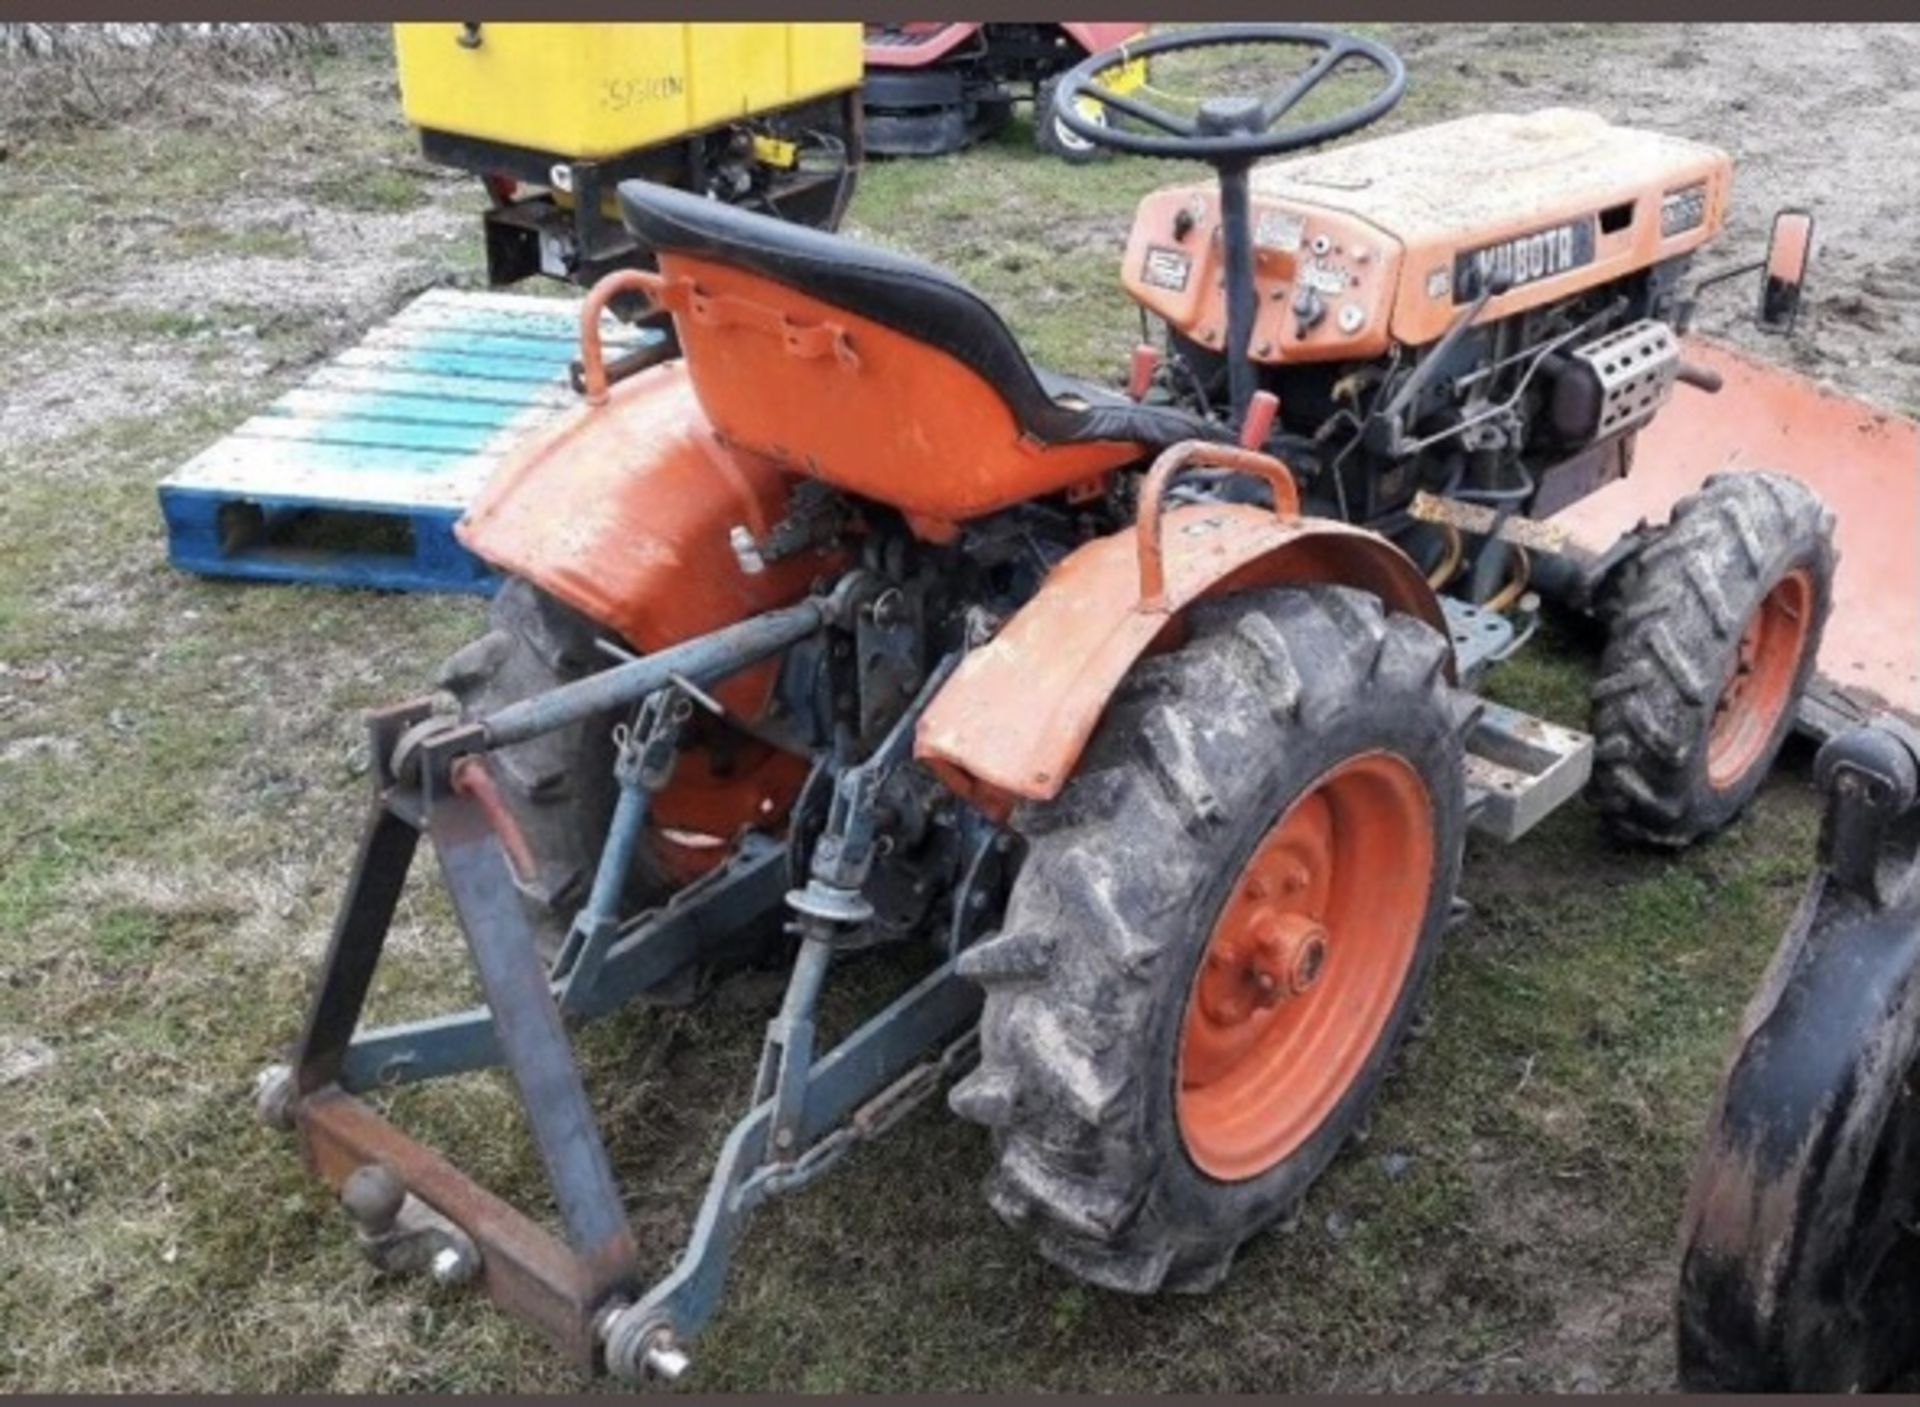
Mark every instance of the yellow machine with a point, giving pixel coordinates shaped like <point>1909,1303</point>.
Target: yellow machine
<point>552,117</point>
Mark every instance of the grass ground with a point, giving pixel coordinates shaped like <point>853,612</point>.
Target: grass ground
<point>181,777</point>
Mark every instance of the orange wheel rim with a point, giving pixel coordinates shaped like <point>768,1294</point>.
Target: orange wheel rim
<point>1304,966</point>
<point>1760,685</point>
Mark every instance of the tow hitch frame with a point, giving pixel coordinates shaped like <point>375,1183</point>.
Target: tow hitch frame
<point>413,1209</point>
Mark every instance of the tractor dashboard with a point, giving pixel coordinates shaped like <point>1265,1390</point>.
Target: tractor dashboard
<point>1326,279</point>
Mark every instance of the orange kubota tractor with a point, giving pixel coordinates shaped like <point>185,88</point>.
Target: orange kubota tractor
<point>1149,719</point>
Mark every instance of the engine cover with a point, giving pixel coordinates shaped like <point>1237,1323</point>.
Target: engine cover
<point>1384,241</point>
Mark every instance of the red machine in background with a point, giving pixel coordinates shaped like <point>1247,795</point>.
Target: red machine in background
<point>932,87</point>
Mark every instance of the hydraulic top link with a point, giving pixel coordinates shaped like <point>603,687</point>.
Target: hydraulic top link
<point>707,659</point>
<point>702,660</point>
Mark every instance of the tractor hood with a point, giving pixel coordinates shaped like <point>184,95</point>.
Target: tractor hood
<point>1393,236</point>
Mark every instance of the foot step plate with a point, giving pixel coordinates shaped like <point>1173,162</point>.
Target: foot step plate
<point>1520,769</point>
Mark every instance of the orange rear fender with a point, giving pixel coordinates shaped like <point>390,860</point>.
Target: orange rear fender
<point>623,511</point>
<point>1011,723</point>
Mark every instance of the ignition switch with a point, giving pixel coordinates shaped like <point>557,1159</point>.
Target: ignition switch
<point>1308,309</point>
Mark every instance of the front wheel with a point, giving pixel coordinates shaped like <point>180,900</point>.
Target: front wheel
<point>1715,626</point>
<point>1221,931</point>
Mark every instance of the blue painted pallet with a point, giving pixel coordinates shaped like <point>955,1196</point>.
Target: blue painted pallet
<point>357,477</point>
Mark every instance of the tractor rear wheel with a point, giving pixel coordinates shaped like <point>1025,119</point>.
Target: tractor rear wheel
<point>1715,626</point>
<point>1801,1267</point>
<point>559,786</point>
<point>1221,931</point>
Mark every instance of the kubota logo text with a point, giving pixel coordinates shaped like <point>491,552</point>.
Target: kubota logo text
<point>1523,259</point>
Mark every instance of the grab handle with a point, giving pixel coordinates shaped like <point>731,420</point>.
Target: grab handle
<point>593,364</point>
<point>1199,454</point>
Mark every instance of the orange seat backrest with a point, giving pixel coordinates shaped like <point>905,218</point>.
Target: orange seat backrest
<point>850,401</point>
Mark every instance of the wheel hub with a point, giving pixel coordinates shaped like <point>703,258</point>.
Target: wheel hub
<point>1304,965</point>
<point>1759,688</point>
<point>1277,955</point>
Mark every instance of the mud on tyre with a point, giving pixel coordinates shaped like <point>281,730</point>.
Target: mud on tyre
<point>1714,628</point>
<point>1249,800</point>
<point>559,786</point>
<point>1800,1270</point>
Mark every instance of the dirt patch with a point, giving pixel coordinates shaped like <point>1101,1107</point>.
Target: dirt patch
<point>23,1057</point>
<point>1598,1332</point>
<point>189,329</point>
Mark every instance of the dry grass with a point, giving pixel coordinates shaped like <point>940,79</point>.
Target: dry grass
<point>59,78</point>
<point>181,775</point>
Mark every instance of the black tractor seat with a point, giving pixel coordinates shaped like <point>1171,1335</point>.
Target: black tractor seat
<point>912,298</point>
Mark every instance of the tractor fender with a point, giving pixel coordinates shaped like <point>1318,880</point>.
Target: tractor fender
<point>1011,723</point>
<point>623,511</point>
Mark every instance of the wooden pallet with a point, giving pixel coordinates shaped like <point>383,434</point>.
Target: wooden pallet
<point>357,477</point>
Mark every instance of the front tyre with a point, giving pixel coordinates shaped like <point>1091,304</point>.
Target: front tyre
<point>1221,931</point>
<point>1715,628</point>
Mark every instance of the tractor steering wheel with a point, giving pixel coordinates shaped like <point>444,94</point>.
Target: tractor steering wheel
<point>1230,134</point>
<point>1229,131</point>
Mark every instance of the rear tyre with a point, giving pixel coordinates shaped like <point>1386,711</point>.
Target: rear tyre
<point>1221,931</point>
<point>559,786</point>
<point>1715,626</point>
<point>1801,1268</point>
<point>1053,136</point>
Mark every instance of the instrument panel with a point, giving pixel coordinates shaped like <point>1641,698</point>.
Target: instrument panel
<point>1326,280</point>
